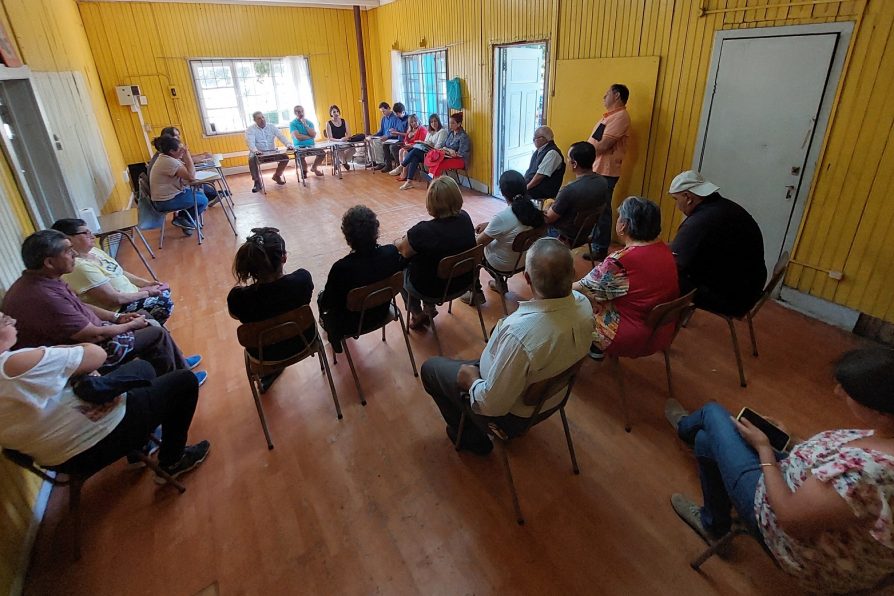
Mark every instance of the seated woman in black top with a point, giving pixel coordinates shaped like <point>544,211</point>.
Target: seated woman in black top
<point>337,129</point>
<point>366,264</point>
<point>264,292</point>
<point>425,244</point>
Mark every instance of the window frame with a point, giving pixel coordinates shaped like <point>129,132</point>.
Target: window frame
<point>231,62</point>
<point>423,117</point>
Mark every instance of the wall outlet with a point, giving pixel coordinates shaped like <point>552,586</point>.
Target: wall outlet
<point>144,101</point>
<point>173,91</point>
<point>836,275</point>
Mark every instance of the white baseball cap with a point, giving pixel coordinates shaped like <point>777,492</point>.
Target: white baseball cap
<point>694,182</point>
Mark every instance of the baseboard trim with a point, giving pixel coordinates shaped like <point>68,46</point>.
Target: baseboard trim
<point>828,312</point>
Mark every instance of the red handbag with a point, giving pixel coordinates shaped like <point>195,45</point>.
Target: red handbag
<point>433,157</point>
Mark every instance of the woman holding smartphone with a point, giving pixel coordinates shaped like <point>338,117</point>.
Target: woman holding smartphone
<point>824,509</point>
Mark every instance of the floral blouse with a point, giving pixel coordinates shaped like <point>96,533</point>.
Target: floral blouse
<point>607,281</point>
<point>837,560</point>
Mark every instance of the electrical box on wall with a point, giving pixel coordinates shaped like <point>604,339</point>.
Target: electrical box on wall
<point>126,93</point>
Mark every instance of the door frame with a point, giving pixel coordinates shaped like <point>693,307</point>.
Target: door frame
<point>495,132</point>
<point>23,73</point>
<point>844,30</point>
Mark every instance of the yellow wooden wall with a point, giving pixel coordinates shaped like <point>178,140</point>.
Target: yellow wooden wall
<point>150,44</point>
<point>848,219</point>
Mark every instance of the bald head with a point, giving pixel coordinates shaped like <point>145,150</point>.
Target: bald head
<point>544,131</point>
<point>550,268</point>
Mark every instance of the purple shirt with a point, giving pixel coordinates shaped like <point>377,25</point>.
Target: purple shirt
<point>47,312</point>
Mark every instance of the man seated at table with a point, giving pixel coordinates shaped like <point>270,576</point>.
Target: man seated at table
<point>261,138</point>
<point>587,192</point>
<point>398,134</point>
<point>49,313</point>
<point>303,135</point>
<point>546,336</point>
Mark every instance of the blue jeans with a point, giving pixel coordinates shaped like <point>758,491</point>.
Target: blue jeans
<point>602,231</point>
<point>728,468</point>
<point>411,161</point>
<point>183,200</point>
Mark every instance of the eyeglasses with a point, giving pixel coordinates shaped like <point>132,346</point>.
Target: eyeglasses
<point>83,233</point>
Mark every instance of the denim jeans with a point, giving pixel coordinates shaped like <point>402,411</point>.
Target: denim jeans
<point>184,201</point>
<point>411,161</point>
<point>602,231</point>
<point>728,468</point>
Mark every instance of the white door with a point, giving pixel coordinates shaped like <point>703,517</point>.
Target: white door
<point>519,104</point>
<point>761,124</point>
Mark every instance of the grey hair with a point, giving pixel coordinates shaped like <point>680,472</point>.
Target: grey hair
<point>255,114</point>
<point>643,218</point>
<point>550,266</point>
<point>547,132</point>
<point>40,246</point>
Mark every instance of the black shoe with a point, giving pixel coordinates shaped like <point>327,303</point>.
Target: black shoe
<point>595,353</point>
<point>347,166</point>
<point>379,166</point>
<point>267,381</point>
<point>193,455</point>
<point>256,188</point>
<point>181,221</point>
<point>279,179</point>
<point>483,448</point>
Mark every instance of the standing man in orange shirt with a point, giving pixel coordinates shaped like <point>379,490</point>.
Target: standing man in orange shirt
<point>609,137</point>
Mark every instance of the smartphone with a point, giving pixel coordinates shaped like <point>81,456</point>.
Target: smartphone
<point>778,438</point>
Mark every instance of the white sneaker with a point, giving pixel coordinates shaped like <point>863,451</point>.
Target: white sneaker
<point>397,171</point>
<point>406,185</point>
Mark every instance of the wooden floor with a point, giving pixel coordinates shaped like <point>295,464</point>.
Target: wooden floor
<point>379,502</point>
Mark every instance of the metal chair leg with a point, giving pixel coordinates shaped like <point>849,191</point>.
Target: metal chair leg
<point>403,329</point>
<point>481,320</point>
<point>619,374</point>
<point>140,254</point>
<point>74,509</point>
<point>753,337</point>
<point>260,407</point>
<point>570,443</point>
<point>354,373</point>
<point>459,432</point>
<point>146,244</point>
<point>667,368</point>
<point>161,237</point>
<point>504,453</point>
<point>735,338</point>
<point>321,351</point>
<point>715,548</point>
<point>383,332</point>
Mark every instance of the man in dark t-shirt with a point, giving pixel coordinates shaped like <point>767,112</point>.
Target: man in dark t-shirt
<point>587,192</point>
<point>719,248</point>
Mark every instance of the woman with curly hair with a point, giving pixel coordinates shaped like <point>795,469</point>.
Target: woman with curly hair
<point>367,263</point>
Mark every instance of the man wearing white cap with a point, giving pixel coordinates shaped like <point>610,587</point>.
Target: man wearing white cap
<point>719,248</point>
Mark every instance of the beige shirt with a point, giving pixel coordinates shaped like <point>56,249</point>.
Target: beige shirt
<point>164,183</point>
<point>616,124</point>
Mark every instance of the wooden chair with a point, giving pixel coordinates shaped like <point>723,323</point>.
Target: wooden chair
<point>370,296</point>
<point>75,481</point>
<point>450,268</point>
<point>535,395</point>
<point>668,313</point>
<point>584,222</point>
<point>778,274</point>
<point>520,245</point>
<point>455,173</point>
<point>292,325</point>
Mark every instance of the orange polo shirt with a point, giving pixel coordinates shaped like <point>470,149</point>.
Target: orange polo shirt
<point>614,124</point>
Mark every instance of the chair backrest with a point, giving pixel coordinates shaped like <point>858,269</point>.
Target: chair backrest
<point>289,325</point>
<point>778,273</point>
<point>459,264</point>
<point>27,462</point>
<point>584,222</point>
<point>537,393</point>
<point>370,296</point>
<point>667,312</point>
<point>522,242</point>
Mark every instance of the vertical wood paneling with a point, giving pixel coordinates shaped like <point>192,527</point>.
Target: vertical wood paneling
<point>170,34</point>
<point>849,221</point>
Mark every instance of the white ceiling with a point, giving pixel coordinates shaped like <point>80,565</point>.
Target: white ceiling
<point>306,3</point>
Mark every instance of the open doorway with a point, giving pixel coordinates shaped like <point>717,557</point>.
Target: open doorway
<point>519,89</point>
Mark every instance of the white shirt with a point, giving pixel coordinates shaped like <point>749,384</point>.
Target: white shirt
<point>539,340</point>
<point>436,139</point>
<point>40,415</point>
<point>503,228</point>
<point>551,162</point>
<point>262,139</point>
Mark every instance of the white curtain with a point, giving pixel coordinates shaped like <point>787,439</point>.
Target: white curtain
<point>397,77</point>
<point>300,76</point>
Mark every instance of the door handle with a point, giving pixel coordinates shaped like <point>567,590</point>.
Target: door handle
<point>789,192</point>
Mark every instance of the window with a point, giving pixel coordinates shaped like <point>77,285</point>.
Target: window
<point>425,84</point>
<point>230,91</point>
